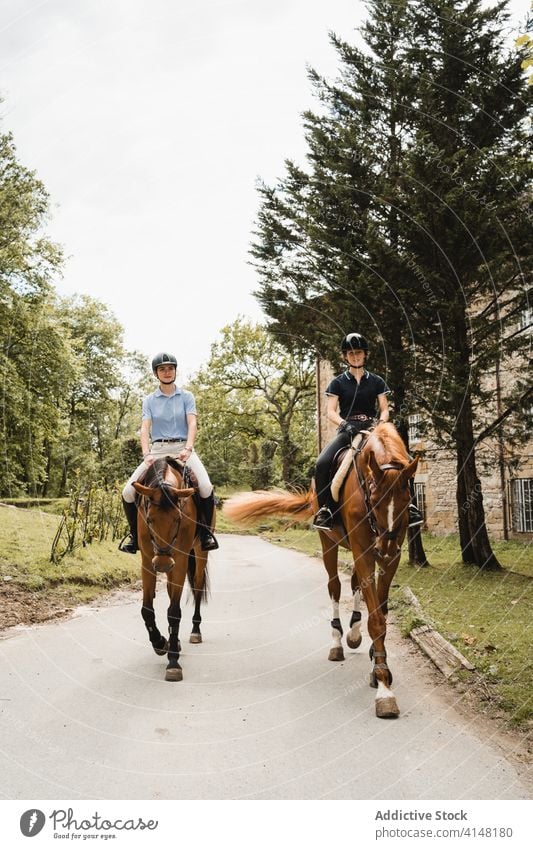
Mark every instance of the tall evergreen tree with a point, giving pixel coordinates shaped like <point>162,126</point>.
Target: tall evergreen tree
<point>362,238</point>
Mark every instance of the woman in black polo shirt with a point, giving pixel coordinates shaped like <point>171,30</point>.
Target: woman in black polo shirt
<point>352,400</point>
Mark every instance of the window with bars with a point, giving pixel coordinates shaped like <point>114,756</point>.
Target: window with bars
<point>522,505</point>
<point>414,428</point>
<point>419,492</point>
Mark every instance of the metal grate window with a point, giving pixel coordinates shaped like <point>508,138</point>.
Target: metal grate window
<point>420,497</point>
<point>414,428</point>
<point>522,505</point>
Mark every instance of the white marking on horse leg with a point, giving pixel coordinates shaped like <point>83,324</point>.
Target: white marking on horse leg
<point>383,692</point>
<point>354,633</point>
<point>391,514</point>
<point>337,636</point>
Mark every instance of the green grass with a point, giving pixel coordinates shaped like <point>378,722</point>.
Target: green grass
<point>25,542</point>
<point>486,615</point>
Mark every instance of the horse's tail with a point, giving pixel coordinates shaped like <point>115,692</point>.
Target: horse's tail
<point>246,507</point>
<point>191,573</point>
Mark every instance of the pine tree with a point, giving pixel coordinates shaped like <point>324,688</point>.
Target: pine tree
<point>410,222</point>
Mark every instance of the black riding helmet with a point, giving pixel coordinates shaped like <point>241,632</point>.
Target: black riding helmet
<point>163,359</point>
<point>354,341</point>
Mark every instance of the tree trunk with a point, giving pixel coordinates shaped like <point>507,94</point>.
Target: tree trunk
<point>417,554</point>
<point>475,544</point>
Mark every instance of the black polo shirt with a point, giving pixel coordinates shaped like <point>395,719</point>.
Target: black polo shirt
<point>357,398</point>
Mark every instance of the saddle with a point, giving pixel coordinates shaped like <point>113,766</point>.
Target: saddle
<point>189,478</point>
<point>343,460</point>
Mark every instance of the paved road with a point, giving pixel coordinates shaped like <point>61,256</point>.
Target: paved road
<point>261,713</point>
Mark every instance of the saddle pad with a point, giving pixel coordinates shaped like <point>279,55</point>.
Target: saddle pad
<point>342,462</point>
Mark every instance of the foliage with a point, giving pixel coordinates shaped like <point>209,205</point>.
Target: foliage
<point>524,43</point>
<point>256,409</point>
<point>92,514</point>
<point>71,394</point>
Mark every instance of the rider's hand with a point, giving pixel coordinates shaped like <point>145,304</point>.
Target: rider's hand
<point>149,459</point>
<point>184,455</point>
<point>349,428</point>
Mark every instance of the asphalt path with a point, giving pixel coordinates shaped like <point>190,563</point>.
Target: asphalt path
<point>260,714</point>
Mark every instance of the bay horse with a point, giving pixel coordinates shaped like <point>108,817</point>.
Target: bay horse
<point>168,542</point>
<point>373,510</point>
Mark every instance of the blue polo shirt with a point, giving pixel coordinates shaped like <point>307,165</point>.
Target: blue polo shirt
<point>169,413</point>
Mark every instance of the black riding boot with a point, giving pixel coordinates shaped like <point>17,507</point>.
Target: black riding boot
<point>205,507</point>
<point>129,543</point>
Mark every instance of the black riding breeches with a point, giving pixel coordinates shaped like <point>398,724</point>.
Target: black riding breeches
<point>324,463</point>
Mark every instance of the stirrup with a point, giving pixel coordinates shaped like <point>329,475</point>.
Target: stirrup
<point>128,544</point>
<point>323,520</point>
<point>208,541</point>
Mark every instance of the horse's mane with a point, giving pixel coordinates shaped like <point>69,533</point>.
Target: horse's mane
<point>392,442</point>
<point>154,477</point>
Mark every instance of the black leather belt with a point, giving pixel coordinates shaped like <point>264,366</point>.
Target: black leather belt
<point>168,440</point>
<point>359,418</point>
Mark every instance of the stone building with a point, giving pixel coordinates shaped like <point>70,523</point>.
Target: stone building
<point>506,476</point>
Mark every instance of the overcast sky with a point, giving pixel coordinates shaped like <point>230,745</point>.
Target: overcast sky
<point>149,122</point>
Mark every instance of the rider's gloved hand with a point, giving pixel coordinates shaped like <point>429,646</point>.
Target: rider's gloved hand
<point>348,427</point>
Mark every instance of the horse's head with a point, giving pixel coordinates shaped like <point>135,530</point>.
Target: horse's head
<point>389,496</point>
<point>162,512</point>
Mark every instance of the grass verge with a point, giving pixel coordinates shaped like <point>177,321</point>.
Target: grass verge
<point>33,588</point>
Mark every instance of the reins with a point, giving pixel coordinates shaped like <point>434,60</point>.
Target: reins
<point>145,500</point>
<point>362,483</point>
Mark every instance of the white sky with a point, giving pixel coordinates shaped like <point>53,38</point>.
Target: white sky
<point>149,122</point>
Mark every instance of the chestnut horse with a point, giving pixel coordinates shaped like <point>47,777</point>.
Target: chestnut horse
<point>168,543</point>
<point>373,510</point>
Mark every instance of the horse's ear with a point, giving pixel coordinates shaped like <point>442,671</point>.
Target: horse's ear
<point>148,491</point>
<point>409,470</point>
<point>374,467</point>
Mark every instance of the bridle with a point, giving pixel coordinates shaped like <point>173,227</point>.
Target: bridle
<point>389,535</point>
<point>158,550</point>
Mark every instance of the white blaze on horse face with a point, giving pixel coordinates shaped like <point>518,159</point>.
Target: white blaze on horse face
<point>391,515</point>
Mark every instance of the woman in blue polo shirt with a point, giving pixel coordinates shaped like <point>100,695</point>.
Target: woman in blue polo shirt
<point>168,429</point>
<point>352,400</point>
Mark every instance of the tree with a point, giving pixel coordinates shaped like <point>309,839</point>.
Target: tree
<point>255,401</point>
<point>33,351</point>
<point>368,238</point>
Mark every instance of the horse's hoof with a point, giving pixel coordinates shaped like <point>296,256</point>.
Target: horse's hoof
<point>174,674</point>
<point>387,708</point>
<point>195,638</point>
<point>373,680</point>
<point>336,653</point>
<point>162,650</point>
<point>353,644</point>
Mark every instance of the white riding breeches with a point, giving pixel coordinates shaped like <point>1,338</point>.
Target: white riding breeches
<point>165,449</point>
